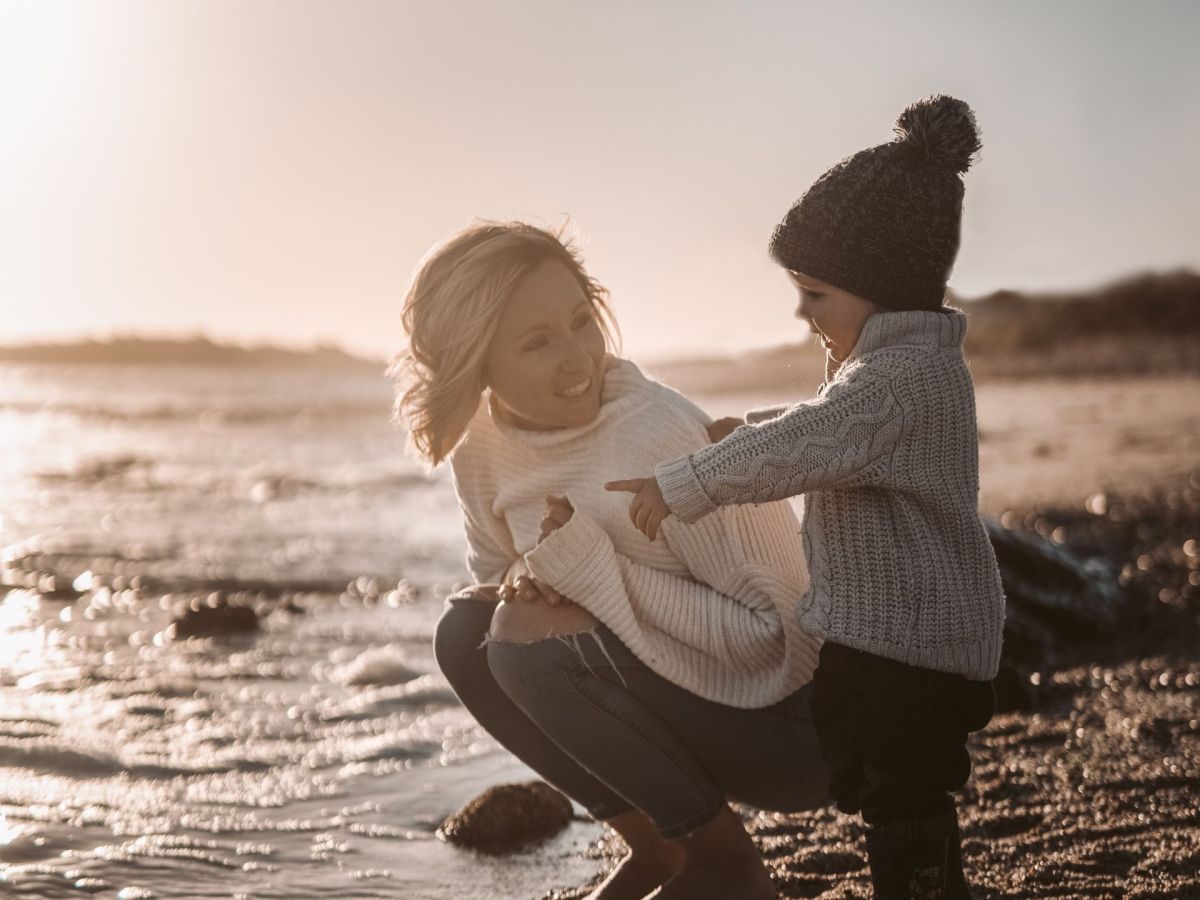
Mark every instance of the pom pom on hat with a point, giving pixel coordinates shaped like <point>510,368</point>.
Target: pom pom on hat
<point>940,129</point>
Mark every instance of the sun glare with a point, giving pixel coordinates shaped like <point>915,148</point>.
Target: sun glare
<point>22,645</point>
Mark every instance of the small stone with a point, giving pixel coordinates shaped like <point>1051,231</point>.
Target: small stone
<point>213,616</point>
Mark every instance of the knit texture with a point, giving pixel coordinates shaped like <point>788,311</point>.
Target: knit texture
<point>887,457</point>
<point>884,223</point>
<point>711,606</point>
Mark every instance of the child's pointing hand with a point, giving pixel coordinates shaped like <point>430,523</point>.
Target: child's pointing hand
<point>648,508</point>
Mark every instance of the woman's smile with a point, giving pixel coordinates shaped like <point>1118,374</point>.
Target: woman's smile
<point>576,390</point>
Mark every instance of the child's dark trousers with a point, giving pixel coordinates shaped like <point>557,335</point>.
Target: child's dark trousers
<point>894,735</point>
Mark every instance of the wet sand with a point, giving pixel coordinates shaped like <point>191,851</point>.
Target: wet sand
<point>1092,792</point>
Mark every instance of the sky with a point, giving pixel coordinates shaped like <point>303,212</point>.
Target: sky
<point>257,170</point>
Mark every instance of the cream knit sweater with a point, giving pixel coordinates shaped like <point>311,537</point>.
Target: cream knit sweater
<point>887,457</point>
<point>711,607</point>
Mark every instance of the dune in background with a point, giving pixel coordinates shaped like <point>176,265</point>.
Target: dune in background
<point>1147,324</point>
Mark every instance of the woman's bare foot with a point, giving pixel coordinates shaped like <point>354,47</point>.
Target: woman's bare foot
<point>697,882</point>
<point>635,877</point>
<point>651,862</point>
<point>720,863</point>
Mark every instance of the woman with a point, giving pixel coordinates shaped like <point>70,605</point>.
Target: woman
<point>649,681</point>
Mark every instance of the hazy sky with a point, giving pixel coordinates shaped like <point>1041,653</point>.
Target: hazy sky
<point>274,170</point>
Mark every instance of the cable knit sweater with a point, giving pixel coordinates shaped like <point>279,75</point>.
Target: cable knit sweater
<point>710,607</point>
<point>888,458</point>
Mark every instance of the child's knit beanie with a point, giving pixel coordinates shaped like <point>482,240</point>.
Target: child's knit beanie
<point>884,223</point>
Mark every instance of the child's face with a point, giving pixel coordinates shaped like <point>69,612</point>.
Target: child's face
<point>836,316</point>
<point>545,364</point>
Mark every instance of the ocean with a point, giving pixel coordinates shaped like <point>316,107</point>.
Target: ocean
<point>312,756</point>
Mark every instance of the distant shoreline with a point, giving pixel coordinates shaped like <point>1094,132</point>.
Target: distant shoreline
<point>200,351</point>
<point>1148,324</point>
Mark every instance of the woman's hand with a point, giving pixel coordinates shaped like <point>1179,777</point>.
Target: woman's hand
<point>558,513</point>
<point>723,427</point>
<point>648,508</point>
<point>519,584</point>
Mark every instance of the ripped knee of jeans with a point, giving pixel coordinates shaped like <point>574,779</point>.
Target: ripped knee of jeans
<point>573,641</point>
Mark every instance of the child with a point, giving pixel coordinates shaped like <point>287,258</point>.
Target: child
<point>905,590</point>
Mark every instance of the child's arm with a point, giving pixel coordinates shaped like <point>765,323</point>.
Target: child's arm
<point>721,427</point>
<point>843,438</point>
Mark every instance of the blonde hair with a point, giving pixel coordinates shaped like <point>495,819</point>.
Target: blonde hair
<point>450,314</point>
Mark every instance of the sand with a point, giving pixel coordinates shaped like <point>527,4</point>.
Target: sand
<point>1095,790</point>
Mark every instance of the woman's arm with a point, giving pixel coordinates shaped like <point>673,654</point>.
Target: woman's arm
<point>742,627</point>
<point>490,549</point>
<point>487,559</point>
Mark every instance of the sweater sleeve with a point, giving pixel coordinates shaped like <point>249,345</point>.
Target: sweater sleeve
<point>764,413</point>
<point>489,545</point>
<point>743,628</point>
<point>843,438</point>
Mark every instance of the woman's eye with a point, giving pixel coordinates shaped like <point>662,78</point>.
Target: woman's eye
<point>536,344</point>
<point>582,321</point>
<point>811,295</point>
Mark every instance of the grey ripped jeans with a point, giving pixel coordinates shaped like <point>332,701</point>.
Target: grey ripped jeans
<point>584,713</point>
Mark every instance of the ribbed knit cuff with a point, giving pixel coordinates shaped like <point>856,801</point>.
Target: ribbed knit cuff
<point>682,490</point>
<point>578,561</point>
<point>766,413</point>
<point>567,550</point>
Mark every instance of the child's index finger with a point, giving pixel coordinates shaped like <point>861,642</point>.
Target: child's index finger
<point>632,485</point>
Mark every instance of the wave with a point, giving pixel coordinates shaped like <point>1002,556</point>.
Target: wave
<point>92,471</point>
<point>51,574</point>
<point>204,416</point>
<point>378,666</point>
<point>53,759</point>
<point>427,690</point>
<point>129,470</point>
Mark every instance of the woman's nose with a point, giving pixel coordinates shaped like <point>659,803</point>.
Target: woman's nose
<point>575,358</point>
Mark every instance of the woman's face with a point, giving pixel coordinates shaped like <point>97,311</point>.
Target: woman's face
<point>545,364</point>
<point>835,316</point>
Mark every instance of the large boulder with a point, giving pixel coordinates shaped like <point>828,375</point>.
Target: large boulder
<point>1056,601</point>
<point>507,817</point>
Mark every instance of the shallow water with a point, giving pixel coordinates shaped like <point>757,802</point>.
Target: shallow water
<point>313,756</point>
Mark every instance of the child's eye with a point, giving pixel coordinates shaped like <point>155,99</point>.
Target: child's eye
<point>811,295</point>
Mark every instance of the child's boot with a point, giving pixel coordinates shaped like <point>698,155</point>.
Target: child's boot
<point>956,881</point>
<point>917,859</point>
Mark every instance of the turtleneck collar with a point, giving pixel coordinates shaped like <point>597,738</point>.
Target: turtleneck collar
<point>943,328</point>
<point>621,378</point>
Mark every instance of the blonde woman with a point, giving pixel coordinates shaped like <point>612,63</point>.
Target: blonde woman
<point>652,682</point>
